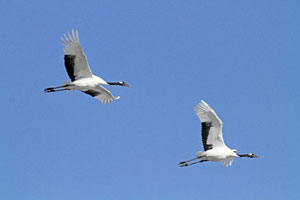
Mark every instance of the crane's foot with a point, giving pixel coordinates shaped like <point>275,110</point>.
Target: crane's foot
<point>49,90</point>
<point>183,165</point>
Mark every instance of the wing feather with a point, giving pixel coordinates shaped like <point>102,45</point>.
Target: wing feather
<point>101,94</point>
<point>80,69</point>
<point>213,133</point>
<point>227,161</point>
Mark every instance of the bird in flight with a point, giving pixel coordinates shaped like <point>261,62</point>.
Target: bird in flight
<point>81,76</point>
<point>214,147</point>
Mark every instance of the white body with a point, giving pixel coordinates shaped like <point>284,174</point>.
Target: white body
<point>86,83</point>
<point>219,154</point>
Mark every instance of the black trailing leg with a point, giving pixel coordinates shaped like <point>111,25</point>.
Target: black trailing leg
<point>182,162</point>
<point>188,162</point>
<point>185,164</point>
<point>55,89</point>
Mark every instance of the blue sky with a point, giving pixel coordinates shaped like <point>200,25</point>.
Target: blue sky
<point>242,57</point>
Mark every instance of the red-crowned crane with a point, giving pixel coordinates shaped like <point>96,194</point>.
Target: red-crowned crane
<point>80,73</point>
<point>212,139</point>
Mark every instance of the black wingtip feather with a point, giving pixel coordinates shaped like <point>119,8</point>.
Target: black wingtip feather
<point>205,131</point>
<point>70,64</point>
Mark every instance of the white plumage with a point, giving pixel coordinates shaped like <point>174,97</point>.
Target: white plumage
<point>212,139</point>
<point>80,73</point>
<point>207,114</point>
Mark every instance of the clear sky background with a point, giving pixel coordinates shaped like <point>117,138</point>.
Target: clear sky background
<point>241,57</point>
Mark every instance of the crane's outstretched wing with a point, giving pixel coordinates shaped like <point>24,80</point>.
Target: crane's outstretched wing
<point>75,61</point>
<point>211,126</point>
<point>101,94</point>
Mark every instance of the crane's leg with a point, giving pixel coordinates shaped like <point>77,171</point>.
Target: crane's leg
<point>56,89</point>
<point>193,163</point>
<point>182,162</point>
<point>187,162</point>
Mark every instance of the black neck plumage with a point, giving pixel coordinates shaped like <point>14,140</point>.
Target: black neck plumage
<point>243,155</point>
<point>114,83</point>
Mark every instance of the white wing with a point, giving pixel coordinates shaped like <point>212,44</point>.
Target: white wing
<point>227,162</point>
<point>101,94</point>
<point>211,126</point>
<point>75,61</point>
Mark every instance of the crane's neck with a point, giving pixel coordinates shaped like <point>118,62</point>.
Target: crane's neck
<point>114,83</point>
<point>121,83</point>
<point>249,155</point>
<point>243,155</point>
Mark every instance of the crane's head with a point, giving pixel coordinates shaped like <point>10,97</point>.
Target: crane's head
<point>123,84</point>
<point>252,155</point>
